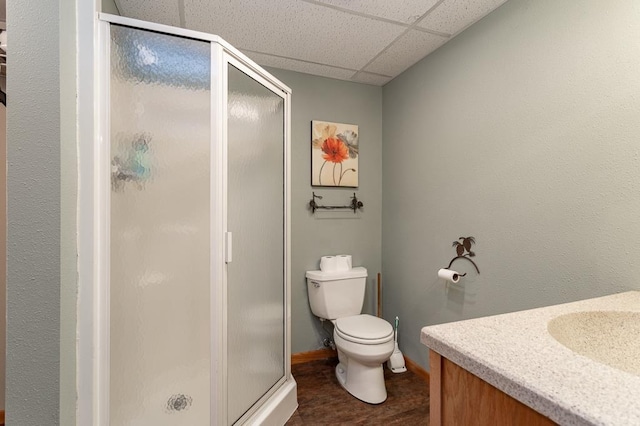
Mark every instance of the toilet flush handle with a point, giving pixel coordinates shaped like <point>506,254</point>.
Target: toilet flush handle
<point>316,284</point>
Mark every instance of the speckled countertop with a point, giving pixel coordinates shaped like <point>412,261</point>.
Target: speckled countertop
<point>515,353</point>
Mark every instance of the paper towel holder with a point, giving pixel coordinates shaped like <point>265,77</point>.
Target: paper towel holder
<point>463,257</point>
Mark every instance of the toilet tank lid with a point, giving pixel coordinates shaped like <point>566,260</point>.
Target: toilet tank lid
<point>358,272</point>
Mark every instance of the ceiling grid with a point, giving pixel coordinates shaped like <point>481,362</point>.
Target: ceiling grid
<point>367,41</point>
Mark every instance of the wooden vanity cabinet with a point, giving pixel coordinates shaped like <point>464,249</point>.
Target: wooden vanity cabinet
<point>460,398</point>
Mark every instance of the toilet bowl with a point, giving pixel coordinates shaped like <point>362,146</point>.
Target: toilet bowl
<point>364,343</point>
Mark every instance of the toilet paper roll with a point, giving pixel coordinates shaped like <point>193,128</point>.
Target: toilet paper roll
<point>344,262</point>
<point>449,275</point>
<point>328,264</point>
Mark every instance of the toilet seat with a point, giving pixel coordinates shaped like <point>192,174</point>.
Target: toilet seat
<point>364,329</point>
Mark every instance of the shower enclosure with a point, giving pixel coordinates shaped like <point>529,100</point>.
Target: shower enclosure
<point>192,210</point>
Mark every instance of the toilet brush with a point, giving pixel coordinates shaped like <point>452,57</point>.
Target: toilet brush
<point>396,362</point>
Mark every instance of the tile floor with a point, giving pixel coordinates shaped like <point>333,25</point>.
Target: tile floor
<point>322,401</point>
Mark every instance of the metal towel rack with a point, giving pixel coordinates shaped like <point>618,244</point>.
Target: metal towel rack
<point>354,205</point>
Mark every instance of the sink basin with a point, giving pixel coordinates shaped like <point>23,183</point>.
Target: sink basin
<point>609,337</point>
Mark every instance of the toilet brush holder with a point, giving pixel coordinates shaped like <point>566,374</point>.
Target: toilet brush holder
<point>396,361</point>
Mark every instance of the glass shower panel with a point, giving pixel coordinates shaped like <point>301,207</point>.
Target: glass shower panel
<point>159,229</point>
<point>255,285</point>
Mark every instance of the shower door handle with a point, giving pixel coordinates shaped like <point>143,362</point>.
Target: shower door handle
<point>228,247</point>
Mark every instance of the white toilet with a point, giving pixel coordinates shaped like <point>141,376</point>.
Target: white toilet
<point>364,342</point>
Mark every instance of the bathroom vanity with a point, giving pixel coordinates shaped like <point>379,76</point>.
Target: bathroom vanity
<point>458,397</point>
<point>572,364</point>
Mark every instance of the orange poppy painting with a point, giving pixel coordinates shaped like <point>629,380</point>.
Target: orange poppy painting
<point>334,154</point>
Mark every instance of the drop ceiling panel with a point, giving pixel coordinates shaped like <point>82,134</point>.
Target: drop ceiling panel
<point>406,51</point>
<point>368,78</point>
<point>407,11</point>
<point>453,16</point>
<point>331,38</point>
<point>160,11</point>
<point>293,29</point>
<point>299,66</point>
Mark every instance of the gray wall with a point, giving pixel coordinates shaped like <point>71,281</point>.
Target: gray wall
<point>109,6</point>
<point>523,132</point>
<point>318,98</point>
<point>68,206</point>
<point>33,230</point>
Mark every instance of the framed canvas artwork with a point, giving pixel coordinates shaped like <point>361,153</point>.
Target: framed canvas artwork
<point>334,154</point>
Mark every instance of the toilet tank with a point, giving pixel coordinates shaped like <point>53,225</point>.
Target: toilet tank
<point>335,295</point>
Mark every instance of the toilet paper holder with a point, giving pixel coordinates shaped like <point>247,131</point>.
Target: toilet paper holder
<point>463,257</point>
<point>464,244</point>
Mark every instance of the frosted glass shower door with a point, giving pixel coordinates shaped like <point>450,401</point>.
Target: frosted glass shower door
<point>159,291</point>
<point>255,280</point>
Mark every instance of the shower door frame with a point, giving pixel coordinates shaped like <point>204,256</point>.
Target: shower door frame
<point>242,63</point>
<point>93,342</point>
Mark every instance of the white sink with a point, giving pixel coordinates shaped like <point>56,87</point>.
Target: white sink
<point>609,337</point>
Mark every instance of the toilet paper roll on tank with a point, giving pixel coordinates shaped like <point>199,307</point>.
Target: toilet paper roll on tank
<point>449,275</point>
<point>336,263</point>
